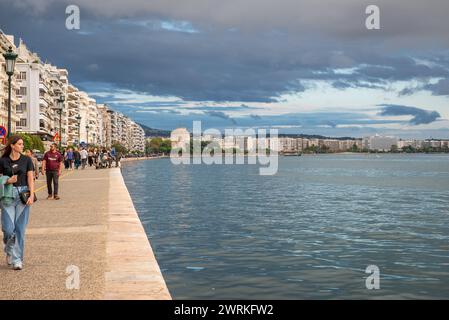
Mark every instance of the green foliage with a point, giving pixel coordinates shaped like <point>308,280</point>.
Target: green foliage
<point>32,142</point>
<point>394,149</point>
<point>119,148</point>
<point>317,149</point>
<point>158,145</point>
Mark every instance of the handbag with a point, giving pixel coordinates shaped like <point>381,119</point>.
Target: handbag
<point>25,195</point>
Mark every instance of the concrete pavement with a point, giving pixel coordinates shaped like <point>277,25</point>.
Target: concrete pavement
<point>95,228</point>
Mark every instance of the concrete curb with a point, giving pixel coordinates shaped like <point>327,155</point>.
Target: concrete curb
<point>132,271</point>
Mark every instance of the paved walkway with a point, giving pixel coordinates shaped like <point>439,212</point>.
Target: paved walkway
<point>93,227</point>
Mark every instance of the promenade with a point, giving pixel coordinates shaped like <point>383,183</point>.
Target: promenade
<point>93,227</point>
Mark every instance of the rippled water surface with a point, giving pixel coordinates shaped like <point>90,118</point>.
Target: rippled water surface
<point>310,231</point>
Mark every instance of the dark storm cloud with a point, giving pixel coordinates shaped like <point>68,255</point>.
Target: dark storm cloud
<point>252,51</point>
<point>255,116</point>
<point>420,116</point>
<point>221,115</point>
<point>441,88</point>
<point>223,108</point>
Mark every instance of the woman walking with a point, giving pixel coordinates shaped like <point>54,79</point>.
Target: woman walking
<point>77,157</point>
<point>18,177</point>
<point>70,158</point>
<point>90,157</point>
<point>66,161</point>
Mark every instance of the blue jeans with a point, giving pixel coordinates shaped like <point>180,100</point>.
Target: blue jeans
<point>14,222</point>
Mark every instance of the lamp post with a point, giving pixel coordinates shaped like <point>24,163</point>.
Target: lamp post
<point>59,110</point>
<point>87,135</point>
<point>78,119</point>
<point>10,59</point>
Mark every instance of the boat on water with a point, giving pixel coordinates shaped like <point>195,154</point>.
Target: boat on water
<point>291,154</point>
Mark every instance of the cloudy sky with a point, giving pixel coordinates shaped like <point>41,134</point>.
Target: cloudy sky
<point>302,66</point>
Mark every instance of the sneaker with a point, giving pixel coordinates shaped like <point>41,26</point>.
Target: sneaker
<point>17,266</point>
<point>57,198</point>
<point>49,197</point>
<point>8,260</point>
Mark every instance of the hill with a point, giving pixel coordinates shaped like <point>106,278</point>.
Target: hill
<point>151,132</point>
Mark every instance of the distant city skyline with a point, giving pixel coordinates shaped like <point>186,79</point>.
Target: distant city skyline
<point>302,67</point>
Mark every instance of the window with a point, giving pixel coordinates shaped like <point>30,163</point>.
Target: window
<point>21,123</point>
<point>22,76</point>
<point>21,108</point>
<point>41,124</point>
<point>23,91</point>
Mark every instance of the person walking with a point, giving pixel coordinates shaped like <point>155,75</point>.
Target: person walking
<point>29,153</point>
<point>84,155</point>
<point>110,159</point>
<point>51,166</point>
<point>66,161</point>
<point>70,158</point>
<point>90,157</point>
<point>118,157</point>
<point>77,158</point>
<point>95,157</point>
<point>17,177</point>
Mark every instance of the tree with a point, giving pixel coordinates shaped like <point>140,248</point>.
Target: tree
<point>165,146</point>
<point>119,148</point>
<point>394,148</point>
<point>154,145</point>
<point>31,142</point>
<point>158,145</point>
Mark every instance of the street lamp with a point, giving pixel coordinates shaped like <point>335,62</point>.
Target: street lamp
<point>10,59</point>
<point>87,135</point>
<point>78,119</point>
<point>59,110</point>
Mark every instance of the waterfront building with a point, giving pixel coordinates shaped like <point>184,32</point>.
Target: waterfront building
<point>180,138</point>
<point>332,145</point>
<point>40,87</point>
<point>288,145</point>
<point>138,137</point>
<point>379,143</point>
<point>7,41</point>
<point>36,88</point>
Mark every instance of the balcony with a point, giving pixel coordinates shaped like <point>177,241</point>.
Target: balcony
<point>43,87</point>
<point>43,102</point>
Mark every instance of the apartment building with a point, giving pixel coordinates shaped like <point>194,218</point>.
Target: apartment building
<point>7,41</point>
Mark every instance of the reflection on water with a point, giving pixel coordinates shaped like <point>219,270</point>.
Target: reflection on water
<point>310,231</point>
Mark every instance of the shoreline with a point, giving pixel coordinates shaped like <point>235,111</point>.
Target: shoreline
<point>132,269</point>
<point>143,158</point>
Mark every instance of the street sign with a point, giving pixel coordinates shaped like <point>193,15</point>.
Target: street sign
<point>3,134</point>
<point>3,131</point>
<point>56,137</point>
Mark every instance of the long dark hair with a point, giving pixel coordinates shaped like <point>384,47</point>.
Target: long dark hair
<point>8,149</point>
